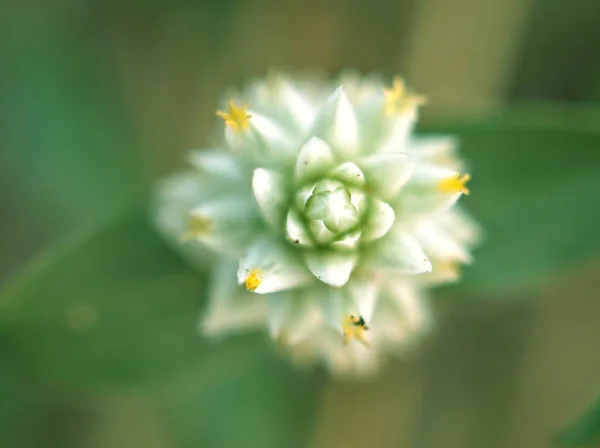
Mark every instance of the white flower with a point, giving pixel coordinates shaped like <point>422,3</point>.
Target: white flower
<point>325,218</point>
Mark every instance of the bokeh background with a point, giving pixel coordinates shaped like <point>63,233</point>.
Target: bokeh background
<point>97,334</point>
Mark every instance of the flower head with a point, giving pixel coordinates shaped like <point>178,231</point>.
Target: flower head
<point>330,215</point>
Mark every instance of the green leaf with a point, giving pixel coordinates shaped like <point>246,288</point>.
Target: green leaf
<point>111,307</point>
<point>535,193</point>
<point>268,405</point>
<point>585,431</point>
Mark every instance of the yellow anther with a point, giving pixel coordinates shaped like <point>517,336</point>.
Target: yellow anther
<point>455,184</point>
<point>237,118</point>
<point>253,280</point>
<point>450,267</point>
<point>354,328</point>
<point>198,225</point>
<point>398,100</point>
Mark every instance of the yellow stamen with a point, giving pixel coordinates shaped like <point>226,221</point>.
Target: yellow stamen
<point>450,267</point>
<point>253,280</point>
<point>398,100</point>
<point>455,184</point>
<point>354,328</point>
<point>198,225</point>
<point>237,118</point>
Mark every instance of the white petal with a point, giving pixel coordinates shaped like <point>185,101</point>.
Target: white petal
<point>349,173</point>
<point>363,293</point>
<point>439,244</point>
<point>428,204</point>
<point>380,220</point>
<point>302,196</point>
<point>230,309</point>
<point>388,172</point>
<point>331,268</point>
<point>320,232</point>
<point>296,231</point>
<point>314,157</point>
<point>294,316</point>
<point>273,135</point>
<point>299,107</point>
<point>433,148</point>
<point>335,306</point>
<point>230,225</point>
<point>402,253</point>
<point>269,189</point>
<point>217,163</point>
<point>410,304</point>
<point>345,128</point>
<point>349,241</point>
<point>274,267</point>
<point>397,138</point>
<point>337,123</point>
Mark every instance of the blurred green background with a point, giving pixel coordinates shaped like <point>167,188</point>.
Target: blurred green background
<point>98,346</point>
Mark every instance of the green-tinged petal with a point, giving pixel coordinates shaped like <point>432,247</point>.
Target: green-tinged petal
<point>331,267</point>
<point>268,266</point>
<point>387,173</point>
<point>231,309</point>
<point>296,231</point>
<point>379,220</point>
<point>315,158</point>
<point>399,251</point>
<point>350,174</point>
<point>269,190</point>
<point>337,124</point>
<point>217,163</point>
<point>226,226</point>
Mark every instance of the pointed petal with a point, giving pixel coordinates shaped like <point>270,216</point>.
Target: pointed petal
<point>407,300</point>
<point>388,172</point>
<point>292,318</point>
<point>296,231</point>
<point>218,163</point>
<point>315,157</point>
<point>363,293</point>
<point>379,221</point>
<point>230,309</point>
<point>302,111</point>
<point>270,133</point>
<point>349,173</point>
<point>337,123</point>
<point>331,268</point>
<point>400,252</point>
<point>225,225</point>
<point>268,187</point>
<point>398,135</point>
<point>350,241</point>
<point>268,267</point>
<point>439,244</point>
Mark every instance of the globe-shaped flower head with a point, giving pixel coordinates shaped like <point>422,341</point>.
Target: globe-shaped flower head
<point>325,218</point>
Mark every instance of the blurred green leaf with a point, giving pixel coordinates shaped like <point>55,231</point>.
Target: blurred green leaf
<point>269,405</point>
<point>585,431</point>
<point>114,306</point>
<point>534,190</point>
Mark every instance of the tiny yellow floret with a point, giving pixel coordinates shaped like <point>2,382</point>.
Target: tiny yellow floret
<point>455,184</point>
<point>253,280</point>
<point>354,328</point>
<point>398,100</point>
<point>198,225</point>
<point>237,118</point>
